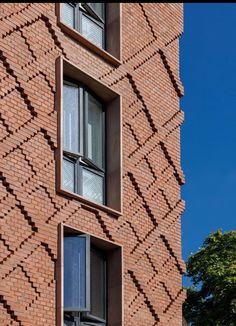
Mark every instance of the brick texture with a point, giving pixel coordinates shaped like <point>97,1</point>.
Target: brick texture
<point>30,208</point>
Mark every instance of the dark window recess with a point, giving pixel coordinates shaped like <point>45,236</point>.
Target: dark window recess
<point>85,288</point>
<point>83,169</point>
<point>98,283</point>
<point>86,18</point>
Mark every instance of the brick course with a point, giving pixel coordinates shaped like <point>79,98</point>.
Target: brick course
<point>30,208</point>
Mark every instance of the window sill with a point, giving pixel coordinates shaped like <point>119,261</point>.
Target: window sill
<point>91,205</point>
<point>81,39</point>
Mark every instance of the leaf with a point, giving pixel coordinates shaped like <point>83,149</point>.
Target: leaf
<point>211,301</point>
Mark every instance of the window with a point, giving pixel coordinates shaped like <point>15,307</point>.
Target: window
<point>91,280</point>
<point>95,26</point>
<point>83,142</point>
<point>84,281</point>
<point>89,153</point>
<point>88,19</point>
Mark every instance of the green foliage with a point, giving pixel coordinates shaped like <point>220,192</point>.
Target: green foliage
<point>211,301</point>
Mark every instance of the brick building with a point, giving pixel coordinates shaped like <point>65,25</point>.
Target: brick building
<point>90,170</point>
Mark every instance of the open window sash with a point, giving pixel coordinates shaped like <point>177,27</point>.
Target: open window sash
<point>94,12</point>
<point>94,132</point>
<point>92,25</point>
<point>76,273</point>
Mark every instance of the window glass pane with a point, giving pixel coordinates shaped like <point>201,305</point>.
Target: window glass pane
<point>98,8</point>
<point>68,323</point>
<point>67,14</point>
<point>95,131</point>
<point>92,186</point>
<point>75,272</point>
<point>68,175</point>
<point>71,118</point>
<point>92,31</point>
<point>98,296</point>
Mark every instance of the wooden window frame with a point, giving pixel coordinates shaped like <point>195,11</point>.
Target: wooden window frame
<point>113,34</point>
<point>113,101</point>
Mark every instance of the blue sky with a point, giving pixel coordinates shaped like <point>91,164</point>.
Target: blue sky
<point>208,135</point>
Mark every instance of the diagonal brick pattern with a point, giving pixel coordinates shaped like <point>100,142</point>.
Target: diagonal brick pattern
<point>149,229</point>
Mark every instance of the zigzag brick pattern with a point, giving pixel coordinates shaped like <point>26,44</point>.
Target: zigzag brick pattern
<point>30,208</point>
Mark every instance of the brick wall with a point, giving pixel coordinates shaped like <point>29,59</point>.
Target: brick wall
<point>30,208</point>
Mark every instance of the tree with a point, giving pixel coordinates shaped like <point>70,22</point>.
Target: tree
<point>211,300</point>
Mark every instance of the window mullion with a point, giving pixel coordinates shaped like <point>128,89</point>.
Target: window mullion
<point>104,157</point>
<point>104,29</point>
<point>76,177</point>
<point>103,140</point>
<point>104,188</point>
<point>85,131</point>
<point>79,183</point>
<point>77,17</point>
<point>81,126</point>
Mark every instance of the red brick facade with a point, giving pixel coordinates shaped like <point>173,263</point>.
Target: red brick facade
<point>30,208</point>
